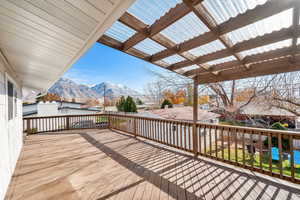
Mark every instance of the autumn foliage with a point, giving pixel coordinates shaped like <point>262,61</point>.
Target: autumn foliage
<point>49,97</point>
<point>177,97</point>
<point>203,99</point>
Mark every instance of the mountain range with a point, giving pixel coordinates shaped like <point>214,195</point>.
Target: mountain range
<point>69,89</point>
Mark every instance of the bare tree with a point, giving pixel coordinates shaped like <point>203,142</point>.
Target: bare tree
<point>284,93</point>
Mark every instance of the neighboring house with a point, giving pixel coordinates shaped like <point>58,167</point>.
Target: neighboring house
<point>185,113</point>
<point>57,108</point>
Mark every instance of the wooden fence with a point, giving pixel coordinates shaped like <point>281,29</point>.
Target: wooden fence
<point>263,150</point>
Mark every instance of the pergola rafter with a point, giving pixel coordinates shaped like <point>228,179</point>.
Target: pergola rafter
<point>140,27</point>
<point>217,72</point>
<point>211,23</point>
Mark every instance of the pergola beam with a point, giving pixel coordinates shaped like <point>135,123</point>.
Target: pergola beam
<point>170,17</point>
<point>276,66</point>
<point>247,60</point>
<point>260,12</point>
<point>140,27</point>
<point>243,46</point>
<point>295,25</point>
<point>211,24</point>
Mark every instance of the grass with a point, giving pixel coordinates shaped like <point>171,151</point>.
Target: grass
<point>286,168</point>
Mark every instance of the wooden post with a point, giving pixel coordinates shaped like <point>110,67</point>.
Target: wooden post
<point>195,117</point>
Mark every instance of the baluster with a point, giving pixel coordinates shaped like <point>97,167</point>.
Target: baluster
<point>228,143</point>
<point>243,141</point>
<point>236,145</point>
<point>216,141</point>
<point>260,151</point>
<point>291,144</point>
<point>190,137</point>
<point>204,140</point>
<point>200,139</point>
<point>210,143</point>
<point>270,151</point>
<point>222,142</point>
<point>280,153</point>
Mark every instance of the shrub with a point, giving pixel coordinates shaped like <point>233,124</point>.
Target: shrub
<point>165,103</point>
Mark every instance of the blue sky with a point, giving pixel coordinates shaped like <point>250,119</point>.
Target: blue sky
<point>101,63</point>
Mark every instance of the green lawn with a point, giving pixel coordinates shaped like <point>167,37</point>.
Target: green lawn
<point>256,161</point>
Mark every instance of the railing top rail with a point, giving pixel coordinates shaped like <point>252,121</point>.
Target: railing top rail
<point>63,116</point>
<point>218,126</point>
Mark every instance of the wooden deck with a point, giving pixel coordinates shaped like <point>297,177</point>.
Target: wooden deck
<point>102,164</point>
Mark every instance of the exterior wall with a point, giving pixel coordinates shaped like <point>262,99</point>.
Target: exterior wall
<point>47,108</point>
<point>11,136</point>
<point>70,104</point>
<point>67,111</point>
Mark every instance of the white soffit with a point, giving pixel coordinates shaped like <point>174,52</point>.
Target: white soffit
<point>42,39</point>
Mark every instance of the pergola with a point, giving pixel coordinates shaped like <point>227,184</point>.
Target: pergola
<point>211,40</point>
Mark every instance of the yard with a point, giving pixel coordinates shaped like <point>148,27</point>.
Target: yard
<point>286,168</point>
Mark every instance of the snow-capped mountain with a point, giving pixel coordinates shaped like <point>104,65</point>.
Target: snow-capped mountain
<point>69,89</point>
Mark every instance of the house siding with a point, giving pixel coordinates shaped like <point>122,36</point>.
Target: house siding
<point>11,138</point>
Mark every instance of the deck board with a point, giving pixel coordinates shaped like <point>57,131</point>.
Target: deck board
<point>104,164</point>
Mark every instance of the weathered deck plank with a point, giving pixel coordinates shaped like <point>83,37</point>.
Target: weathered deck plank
<point>102,164</point>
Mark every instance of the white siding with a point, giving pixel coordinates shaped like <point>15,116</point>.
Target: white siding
<point>11,138</point>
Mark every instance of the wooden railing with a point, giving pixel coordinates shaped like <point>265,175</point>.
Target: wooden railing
<point>33,125</point>
<point>271,152</point>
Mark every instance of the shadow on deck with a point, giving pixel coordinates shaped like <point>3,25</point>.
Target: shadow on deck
<point>104,164</point>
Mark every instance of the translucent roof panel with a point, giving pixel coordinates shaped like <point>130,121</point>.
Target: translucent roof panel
<point>185,69</point>
<point>223,10</point>
<point>207,48</point>
<point>173,59</point>
<point>262,49</point>
<point>149,46</point>
<point>221,60</point>
<point>184,29</point>
<point>150,11</point>
<point>120,32</point>
<point>262,27</point>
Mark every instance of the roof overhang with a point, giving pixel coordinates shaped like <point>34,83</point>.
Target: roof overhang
<point>41,40</point>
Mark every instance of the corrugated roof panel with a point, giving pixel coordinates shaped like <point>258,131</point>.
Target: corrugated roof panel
<point>262,27</point>
<point>262,49</point>
<point>207,48</point>
<point>184,29</point>
<point>120,32</point>
<point>185,69</point>
<point>148,11</point>
<point>223,10</point>
<point>149,46</point>
<point>221,60</point>
<point>173,59</point>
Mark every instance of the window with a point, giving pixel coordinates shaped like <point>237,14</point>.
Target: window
<point>10,103</point>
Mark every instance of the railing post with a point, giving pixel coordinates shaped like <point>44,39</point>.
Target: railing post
<point>195,117</point>
<point>68,123</point>
<point>28,127</point>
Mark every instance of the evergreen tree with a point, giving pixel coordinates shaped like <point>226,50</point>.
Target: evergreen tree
<point>126,105</point>
<point>166,102</point>
<point>120,104</point>
<point>129,105</point>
